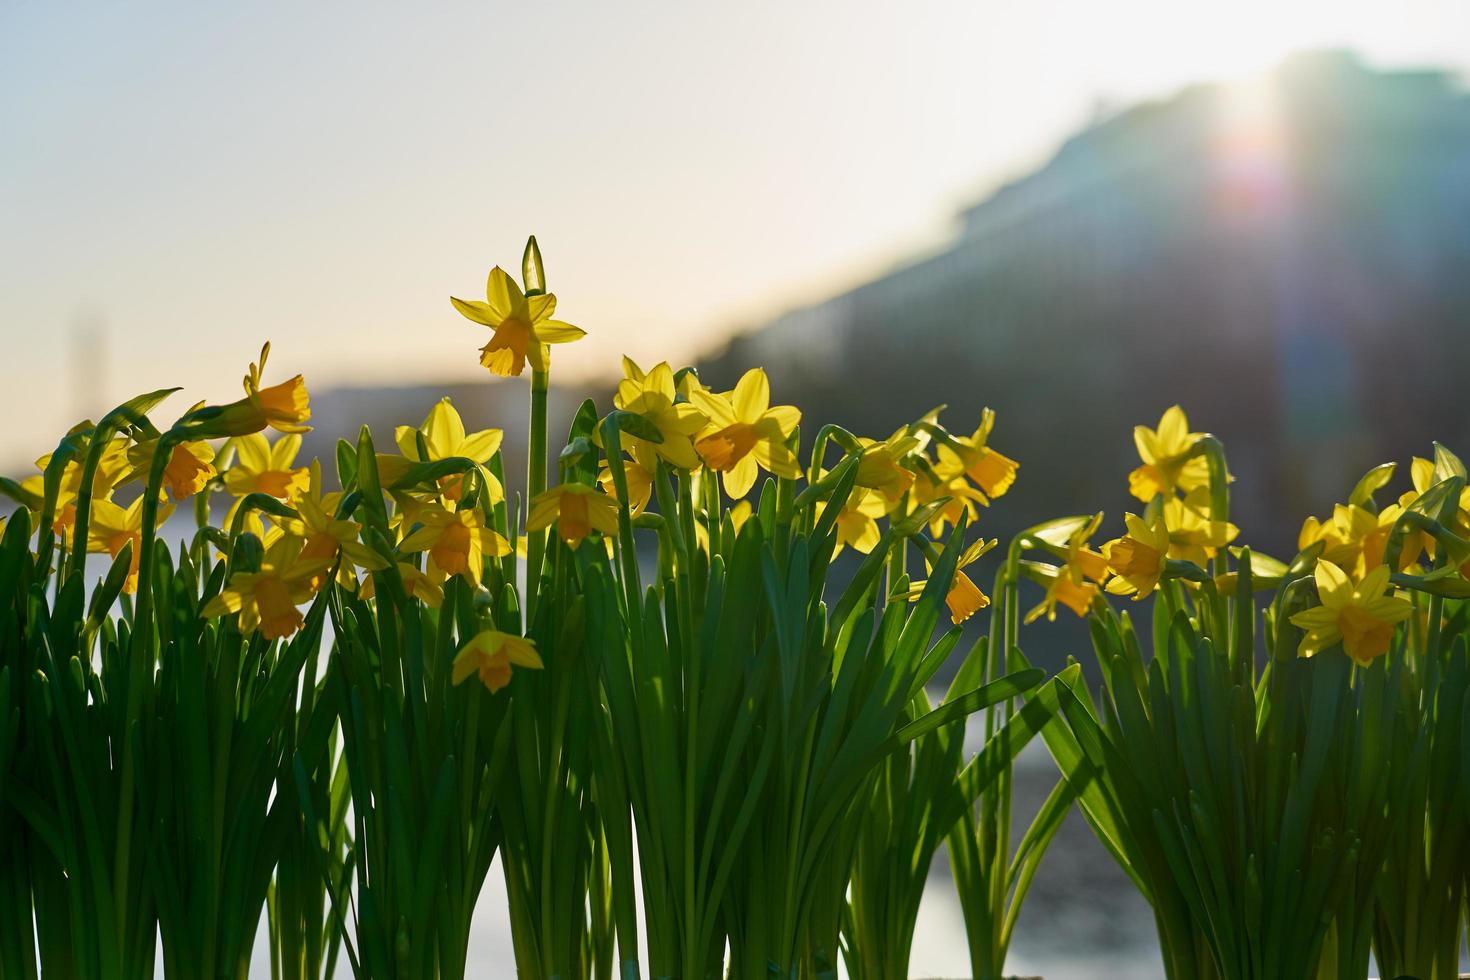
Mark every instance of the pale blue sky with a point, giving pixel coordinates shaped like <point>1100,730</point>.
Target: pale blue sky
<point>198,177</point>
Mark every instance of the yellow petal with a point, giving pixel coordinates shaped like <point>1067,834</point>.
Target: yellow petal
<point>752,396</point>
<point>557,332</point>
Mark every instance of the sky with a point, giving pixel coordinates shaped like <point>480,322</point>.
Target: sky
<point>182,181</point>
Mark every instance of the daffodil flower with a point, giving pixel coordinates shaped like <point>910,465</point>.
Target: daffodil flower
<point>1137,559</point>
<point>324,537</point>
<point>1355,538</point>
<point>415,582</point>
<point>881,467</point>
<point>267,600</point>
<point>1167,463</point>
<point>638,471</point>
<point>960,498</point>
<point>284,407</point>
<point>445,438</point>
<point>993,472</point>
<point>576,509</point>
<point>746,433</point>
<point>1062,587</point>
<point>1193,536</point>
<point>112,469</point>
<point>1360,617</point>
<point>964,597</point>
<point>1075,582</point>
<point>112,527</point>
<point>189,469</point>
<point>856,523</point>
<point>491,653</point>
<point>457,541</point>
<point>522,324</point>
<point>653,396</point>
<point>263,468</point>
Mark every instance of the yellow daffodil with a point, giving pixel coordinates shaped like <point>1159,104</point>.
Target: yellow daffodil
<point>522,324</point>
<point>989,470</point>
<point>1355,538</point>
<point>324,537</point>
<point>576,509</point>
<point>112,470</point>
<point>1062,587</point>
<point>415,582</point>
<point>189,469</point>
<point>964,597</point>
<point>264,468</point>
<point>1165,452</point>
<point>857,524</point>
<point>1418,541</point>
<point>445,438</point>
<point>113,526</point>
<point>745,433</point>
<point>1137,559</point>
<point>652,395</point>
<point>491,654</point>
<point>638,470</point>
<point>284,407</point>
<point>1192,535</point>
<point>1075,582</point>
<point>457,541</point>
<point>1360,617</point>
<point>961,499</point>
<point>880,466</point>
<point>267,600</point>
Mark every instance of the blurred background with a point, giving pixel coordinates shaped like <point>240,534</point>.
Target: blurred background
<point>1077,214</point>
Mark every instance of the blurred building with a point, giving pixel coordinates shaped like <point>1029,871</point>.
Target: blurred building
<point>1287,259</point>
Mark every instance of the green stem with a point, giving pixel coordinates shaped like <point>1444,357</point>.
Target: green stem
<point>535,485</point>
<point>139,665</point>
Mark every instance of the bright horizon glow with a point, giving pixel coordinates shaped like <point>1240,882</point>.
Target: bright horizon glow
<point>210,177</point>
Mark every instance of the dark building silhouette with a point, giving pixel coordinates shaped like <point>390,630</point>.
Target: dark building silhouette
<point>1288,260</point>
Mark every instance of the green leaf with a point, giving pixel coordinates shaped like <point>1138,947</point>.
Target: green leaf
<point>1373,481</point>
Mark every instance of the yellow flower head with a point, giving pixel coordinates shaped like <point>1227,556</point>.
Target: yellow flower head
<point>576,509</point>
<point>491,654</point>
<point>989,470</point>
<point>746,432</point>
<point>522,324</point>
<point>961,499</point>
<point>1360,617</point>
<point>445,438</point>
<point>1192,535</point>
<point>267,600</point>
<point>112,527</point>
<point>964,597</point>
<point>880,466</point>
<point>1061,587</point>
<point>284,407</point>
<point>263,468</point>
<point>323,536</point>
<point>189,469</point>
<point>652,395</point>
<point>457,541</point>
<point>638,470</point>
<point>1167,464</point>
<point>1355,539</point>
<point>857,522</point>
<point>112,470</point>
<point>1074,583</point>
<point>415,583</point>
<point>1137,559</point>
